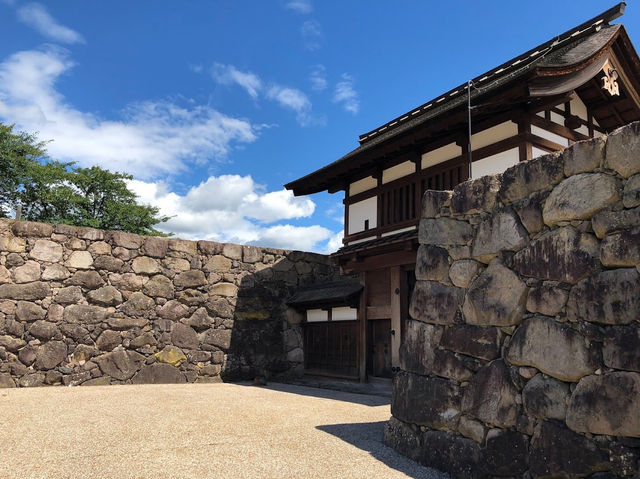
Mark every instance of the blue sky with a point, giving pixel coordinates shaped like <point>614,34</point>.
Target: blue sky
<point>214,105</point>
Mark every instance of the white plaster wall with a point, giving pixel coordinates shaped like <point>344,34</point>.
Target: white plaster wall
<point>389,233</point>
<point>362,185</point>
<point>549,136</point>
<point>361,240</point>
<point>440,155</point>
<point>317,315</point>
<point>398,171</point>
<point>557,118</point>
<point>344,314</point>
<point>537,152</point>
<point>579,109</point>
<point>495,163</point>
<point>361,211</point>
<point>493,134</point>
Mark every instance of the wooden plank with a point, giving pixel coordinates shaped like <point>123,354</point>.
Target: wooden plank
<point>378,312</point>
<point>396,314</point>
<point>383,260</point>
<point>563,131</point>
<point>362,333</point>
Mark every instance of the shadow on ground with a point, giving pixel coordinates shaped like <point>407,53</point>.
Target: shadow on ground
<point>356,398</point>
<point>368,437</point>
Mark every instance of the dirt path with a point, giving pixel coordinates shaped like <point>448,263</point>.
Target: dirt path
<point>196,431</point>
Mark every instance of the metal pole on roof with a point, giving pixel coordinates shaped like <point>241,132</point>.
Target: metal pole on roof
<point>469,83</point>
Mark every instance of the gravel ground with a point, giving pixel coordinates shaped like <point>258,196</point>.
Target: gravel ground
<point>196,431</point>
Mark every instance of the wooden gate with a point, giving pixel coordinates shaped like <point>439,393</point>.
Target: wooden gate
<point>331,348</point>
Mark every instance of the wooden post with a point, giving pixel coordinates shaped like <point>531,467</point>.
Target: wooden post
<point>396,314</point>
<point>525,148</point>
<point>362,322</point>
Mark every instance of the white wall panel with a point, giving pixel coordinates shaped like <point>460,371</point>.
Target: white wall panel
<point>362,185</point>
<point>549,136</point>
<point>317,315</point>
<point>344,314</point>
<point>493,134</point>
<point>361,211</point>
<point>440,155</point>
<point>398,171</point>
<point>495,163</point>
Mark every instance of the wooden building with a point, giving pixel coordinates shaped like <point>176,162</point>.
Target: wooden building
<point>580,84</point>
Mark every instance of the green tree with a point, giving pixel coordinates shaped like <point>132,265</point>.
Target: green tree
<point>55,192</point>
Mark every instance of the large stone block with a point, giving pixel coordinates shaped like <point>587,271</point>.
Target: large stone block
<point>171,355</point>
<point>218,264</point>
<point>584,156</point>
<point>607,404</point>
<point>12,344</point>
<point>496,298</point>
<point>50,354</point>
<point>80,313</point>
<point>173,310</point>
<point>530,214</point>
<point>137,305</point>
<point>432,263</point>
<point>545,398</point>
<point>30,229</point>
<point>159,373</point>
<point>558,452</point>
<point>623,150</point>
<point>220,338</point>
<point>183,246</point>
<point>159,286</point>
<point>565,254</point>
<point>491,396</point>
<point>27,311</point>
<point>622,348</point>
<point>27,292</point>
<point>554,349</point>
<point>224,289</point>
<point>613,298</point>
<point>506,454</point>
<point>463,271</point>
<point>190,279</point>
<point>432,402</point>
<point>125,322</point>
<point>79,260</point>
<point>155,247</point>
<point>47,251</point>
<point>450,365</point>
<point>105,296</point>
<point>547,299</point>
<point>108,263</point>
<point>434,302</point>
<point>11,244</point>
<point>126,240</point>
<point>145,265</point>
<point>86,279</point>
<point>475,196</point>
<point>184,336</point>
<point>120,365</point>
<point>527,177</point>
<point>43,330</point>
<point>433,201</point>
<point>400,437</point>
<point>417,351</point>
<point>607,222</point>
<point>69,295</point>
<point>501,232</point>
<point>457,456</point>
<point>476,341</point>
<point>580,197</point>
<point>444,231</point>
<point>622,249</point>
<point>631,192</point>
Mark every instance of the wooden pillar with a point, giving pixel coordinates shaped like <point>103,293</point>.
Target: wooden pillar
<point>346,212</point>
<point>362,333</point>
<point>396,314</point>
<point>378,176</point>
<point>417,200</point>
<point>525,148</point>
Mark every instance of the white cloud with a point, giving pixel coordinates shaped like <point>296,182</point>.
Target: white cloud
<point>233,208</point>
<point>292,99</point>
<point>228,75</point>
<point>152,138</point>
<point>299,6</point>
<point>335,242</point>
<point>312,34</point>
<point>37,17</point>
<point>318,78</point>
<point>346,95</point>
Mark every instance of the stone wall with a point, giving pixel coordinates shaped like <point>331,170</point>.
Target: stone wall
<point>85,306</point>
<point>522,357</point>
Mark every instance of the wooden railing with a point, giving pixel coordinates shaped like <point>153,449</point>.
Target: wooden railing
<point>399,202</point>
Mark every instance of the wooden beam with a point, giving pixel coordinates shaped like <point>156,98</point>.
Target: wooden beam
<point>396,314</point>
<point>563,131</point>
<point>362,333</point>
<point>378,312</point>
